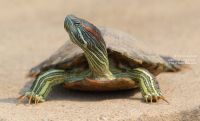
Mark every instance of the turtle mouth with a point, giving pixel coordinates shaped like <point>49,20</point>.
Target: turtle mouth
<point>66,27</point>
<point>68,23</point>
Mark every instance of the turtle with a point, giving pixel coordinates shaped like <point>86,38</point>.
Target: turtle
<point>99,59</point>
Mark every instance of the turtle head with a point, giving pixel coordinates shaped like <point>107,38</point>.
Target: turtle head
<point>83,33</point>
<point>88,37</point>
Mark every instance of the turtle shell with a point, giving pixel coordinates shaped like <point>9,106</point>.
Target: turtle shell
<point>124,45</point>
<point>119,42</point>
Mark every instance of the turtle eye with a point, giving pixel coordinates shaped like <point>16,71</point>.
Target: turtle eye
<point>77,23</point>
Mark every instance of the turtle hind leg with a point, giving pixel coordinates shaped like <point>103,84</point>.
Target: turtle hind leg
<point>43,85</point>
<point>148,85</point>
<point>173,65</point>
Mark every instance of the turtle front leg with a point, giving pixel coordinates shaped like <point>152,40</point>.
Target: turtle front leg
<point>43,85</point>
<point>148,85</point>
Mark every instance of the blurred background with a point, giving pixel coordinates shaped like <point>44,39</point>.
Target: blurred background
<point>32,30</point>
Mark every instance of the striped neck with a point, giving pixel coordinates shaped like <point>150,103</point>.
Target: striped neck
<point>99,64</point>
<point>96,54</point>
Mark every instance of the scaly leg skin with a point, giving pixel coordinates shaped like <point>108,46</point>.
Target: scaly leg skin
<point>43,85</point>
<point>148,85</point>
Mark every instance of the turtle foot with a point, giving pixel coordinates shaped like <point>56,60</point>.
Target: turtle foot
<point>31,97</point>
<point>151,98</point>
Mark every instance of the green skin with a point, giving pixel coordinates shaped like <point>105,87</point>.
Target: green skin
<point>90,40</point>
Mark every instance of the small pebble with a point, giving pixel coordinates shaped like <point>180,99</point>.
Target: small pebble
<point>139,119</point>
<point>102,118</point>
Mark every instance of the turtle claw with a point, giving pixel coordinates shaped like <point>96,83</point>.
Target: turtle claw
<point>21,98</point>
<point>164,99</point>
<point>146,100</point>
<point>154,97</point>
<point>31,97</point>
<point>36,100</point>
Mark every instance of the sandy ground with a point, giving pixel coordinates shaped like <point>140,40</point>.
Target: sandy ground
<point>30,31</point>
